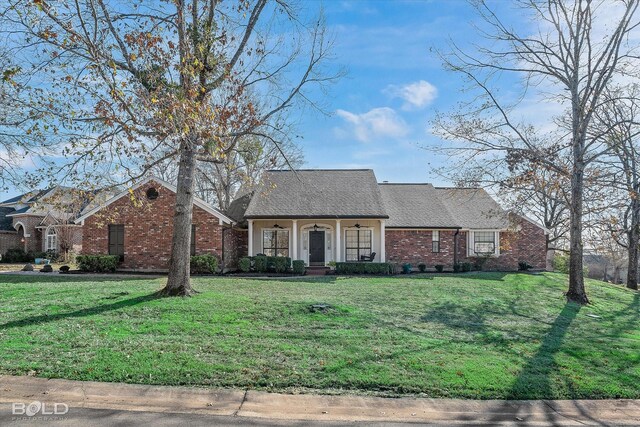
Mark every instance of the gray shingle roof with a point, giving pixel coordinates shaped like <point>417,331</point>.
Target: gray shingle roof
<point>13,199</point>
<point>319,194</point>
<point>238,207</point>
<point>473,208</point>
<point>415,206</point>
<point>6,221</point>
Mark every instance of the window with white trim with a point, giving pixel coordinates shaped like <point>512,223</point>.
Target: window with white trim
<point>484,242</point>
<point>275,242</point>
<point>51,240</point>
<point>435,241</point>
<point>357,244</point>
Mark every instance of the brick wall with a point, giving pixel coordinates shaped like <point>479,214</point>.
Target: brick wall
<point>415,247</point>
<point>148,228</point>
<point>236,246</point>
<point>34,241</point>
<point>9,240</point>
<point>525,243</point>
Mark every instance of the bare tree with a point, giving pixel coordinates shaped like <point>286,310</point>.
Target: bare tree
<point>572,56</point>
<point>219,183</point>
<point>618,123</point>
<point>129,85</point>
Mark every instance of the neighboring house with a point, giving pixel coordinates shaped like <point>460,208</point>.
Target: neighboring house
<point>40,221</point>
<point>137,225</point>
<point>319,216</point>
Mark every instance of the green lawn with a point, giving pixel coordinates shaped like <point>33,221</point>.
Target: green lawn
<point>484,335</point>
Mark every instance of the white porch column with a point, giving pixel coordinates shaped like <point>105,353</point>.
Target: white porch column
<point>338,243</point>
<point>382,241</point>
<point>294,253</point>
<point>250,239</point>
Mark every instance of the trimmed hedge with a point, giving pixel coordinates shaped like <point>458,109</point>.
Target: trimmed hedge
<point>204,264</point>
<point>245,264</point>
<point>98,263</point>
<point>280,264</point>
<point>380,268</point>
<point>264,264</point>
<point>439,268</point>
<point>298,267</point>
<point>422,267</point>
<point>260,264</point>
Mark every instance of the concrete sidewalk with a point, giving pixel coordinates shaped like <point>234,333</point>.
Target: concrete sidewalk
<point>255,405</point>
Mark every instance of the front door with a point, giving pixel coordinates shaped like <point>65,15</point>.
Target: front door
<point>316,247</point>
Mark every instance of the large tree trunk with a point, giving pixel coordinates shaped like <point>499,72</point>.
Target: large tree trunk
<point>178,283</point>
<point>576,290</point>
<point>634,239</point>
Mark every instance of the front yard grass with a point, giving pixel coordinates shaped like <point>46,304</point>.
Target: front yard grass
<point>477,335</point>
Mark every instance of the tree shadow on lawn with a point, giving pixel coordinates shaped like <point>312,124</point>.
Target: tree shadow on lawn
<point>46,318</point>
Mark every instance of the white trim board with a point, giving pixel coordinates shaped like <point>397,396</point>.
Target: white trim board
<point>196,201</point>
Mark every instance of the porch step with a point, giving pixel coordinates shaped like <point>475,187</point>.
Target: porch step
<point>317,270</point>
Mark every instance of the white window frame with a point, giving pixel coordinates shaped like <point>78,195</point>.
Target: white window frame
<point>344,245</point>
<point>51,236</point>
<point>471,242</point>
<point>287,229</point>
<point>435,237</point>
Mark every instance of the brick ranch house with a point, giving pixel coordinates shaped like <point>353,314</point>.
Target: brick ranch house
<point>137,225</point>
<point>321,216</point>
<point>318,216</point>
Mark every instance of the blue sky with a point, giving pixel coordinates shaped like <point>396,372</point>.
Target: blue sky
<point>380,111</point>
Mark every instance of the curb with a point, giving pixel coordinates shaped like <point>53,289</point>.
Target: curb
<point>308,407</point>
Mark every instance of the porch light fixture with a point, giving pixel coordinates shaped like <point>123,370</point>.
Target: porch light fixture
<point>357,225</point>
<point>315,227</point>
<point>276,225</point>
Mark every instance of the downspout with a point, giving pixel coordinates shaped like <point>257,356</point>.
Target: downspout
<point>455,246</point>
<point>222,257</point>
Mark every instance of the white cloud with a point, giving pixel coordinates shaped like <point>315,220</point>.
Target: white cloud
<point>376,123</point>
<point>415,95</point>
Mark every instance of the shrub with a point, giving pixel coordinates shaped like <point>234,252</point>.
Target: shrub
<point>260,263</point>
<point>98,263</point>
<point>245,264</point>
<point>17,256</point>
<point>480,263</point>
<point>65,269</point>
<point>394,268</point>
<point>298,267</point>
<point>406,268</point>
<point>465,266</point>
<point>524,266</point>
<point>280,264</point>
<point>204,264</point>
<point>439,268</point>
<point>457,267</point>
<point>422,267</point>
<point>380,268</point>
<point>561,263</point>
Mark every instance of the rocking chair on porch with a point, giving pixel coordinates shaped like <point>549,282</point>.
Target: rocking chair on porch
<point>369,258</point>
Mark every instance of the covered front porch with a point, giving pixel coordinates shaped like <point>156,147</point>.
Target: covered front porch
<point>319,241</point>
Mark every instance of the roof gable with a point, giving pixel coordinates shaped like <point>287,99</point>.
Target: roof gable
<point>317,193</point>
<point>196,201</point>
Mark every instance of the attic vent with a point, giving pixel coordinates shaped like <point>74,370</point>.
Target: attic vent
<point>152,193</point>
